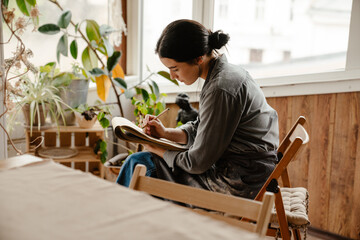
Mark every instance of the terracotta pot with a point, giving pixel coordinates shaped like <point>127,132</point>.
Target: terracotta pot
<point>26,111</point>
<point>82,122</point>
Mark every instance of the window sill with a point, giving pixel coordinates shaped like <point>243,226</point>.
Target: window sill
<point>308,84</point>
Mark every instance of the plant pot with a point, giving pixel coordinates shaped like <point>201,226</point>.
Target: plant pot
<point>73,95</point>
<point>26,111</point>
<point>82,122</point>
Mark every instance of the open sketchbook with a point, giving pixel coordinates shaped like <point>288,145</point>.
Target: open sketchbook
<point>128,131</point>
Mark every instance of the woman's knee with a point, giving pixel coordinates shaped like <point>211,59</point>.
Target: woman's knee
<point>143,158</point>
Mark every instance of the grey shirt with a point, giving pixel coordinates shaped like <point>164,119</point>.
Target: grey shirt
<point>234,119</point>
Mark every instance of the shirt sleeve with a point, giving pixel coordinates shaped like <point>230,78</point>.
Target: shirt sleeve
<point>217,124</point>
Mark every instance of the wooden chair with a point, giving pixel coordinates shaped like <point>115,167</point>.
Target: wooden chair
<point>233,207</point>
<point>296,198</point>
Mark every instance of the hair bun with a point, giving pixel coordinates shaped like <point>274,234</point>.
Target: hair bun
<point>218,39</point>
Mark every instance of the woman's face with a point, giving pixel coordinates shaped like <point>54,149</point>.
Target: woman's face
<point>182,71</point>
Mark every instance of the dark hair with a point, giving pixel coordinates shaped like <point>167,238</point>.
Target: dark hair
<point>184,40</point>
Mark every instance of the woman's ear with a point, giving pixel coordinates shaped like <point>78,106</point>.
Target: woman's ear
<point>199,60</point>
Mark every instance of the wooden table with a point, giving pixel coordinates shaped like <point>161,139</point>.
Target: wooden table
<point>45,200</point>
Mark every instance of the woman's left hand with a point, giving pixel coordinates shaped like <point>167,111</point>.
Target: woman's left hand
<point>158,151</point>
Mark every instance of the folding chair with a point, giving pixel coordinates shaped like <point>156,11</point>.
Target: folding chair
<point>291,204</point>
<point>233,207</point>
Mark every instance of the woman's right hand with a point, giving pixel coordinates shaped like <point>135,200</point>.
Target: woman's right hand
<point>154,127</point>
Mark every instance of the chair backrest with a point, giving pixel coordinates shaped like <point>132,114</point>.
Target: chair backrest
<point>234,208</point>
<point>295,138</point>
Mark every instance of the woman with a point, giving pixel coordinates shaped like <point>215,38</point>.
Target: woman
<point>233,142</point>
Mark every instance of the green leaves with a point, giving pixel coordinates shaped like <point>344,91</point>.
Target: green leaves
<point>74,49</point>
<point>92,31</point>
<point>6,3</point>
<point>62,47</point>
<point>49,29</point>
<point>89,59</point>
<point>113,60</point>
<point>31,2</point>
<point>167,76</point>
<point>120,82</point>
<point>97,72</point>
<point>22,6</point>
<point>64,19</point>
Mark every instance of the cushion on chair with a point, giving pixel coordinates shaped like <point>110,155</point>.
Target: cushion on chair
<point>295,202</point>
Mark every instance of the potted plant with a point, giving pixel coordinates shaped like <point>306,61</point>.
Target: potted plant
<point>73,87</point>
<point>86,116</point>
<point>36,98</point>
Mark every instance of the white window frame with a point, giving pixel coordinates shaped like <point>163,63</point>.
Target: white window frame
<point>347,80</point>
<point>3,137</point>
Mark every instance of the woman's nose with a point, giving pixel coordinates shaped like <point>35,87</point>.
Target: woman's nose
<point>172,75</point>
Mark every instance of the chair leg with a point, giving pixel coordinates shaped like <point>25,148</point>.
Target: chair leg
<point>296,233</point>
<point>280,211</point>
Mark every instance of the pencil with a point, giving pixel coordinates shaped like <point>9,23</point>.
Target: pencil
<point>165,111</point>
<point>156,117</point>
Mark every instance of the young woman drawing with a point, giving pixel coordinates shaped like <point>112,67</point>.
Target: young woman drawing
<point>233,142</point>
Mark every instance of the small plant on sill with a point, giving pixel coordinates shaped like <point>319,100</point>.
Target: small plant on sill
<point>91,114</point>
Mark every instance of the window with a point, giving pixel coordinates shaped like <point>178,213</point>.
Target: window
<point>294,36</point>
<point>44,46</point>
<point>157,15</point>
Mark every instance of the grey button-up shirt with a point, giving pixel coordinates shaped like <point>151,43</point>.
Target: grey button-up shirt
<point>234,121</point>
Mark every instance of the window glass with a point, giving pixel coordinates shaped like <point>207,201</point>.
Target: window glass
<point>157,15</point>
<point>44,46</point>
<point>285,37</point>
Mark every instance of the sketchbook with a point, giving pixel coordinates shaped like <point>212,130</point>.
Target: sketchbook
<point>128,131</point>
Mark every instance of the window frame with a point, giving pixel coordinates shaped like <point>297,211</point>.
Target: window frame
<point>347,80</point>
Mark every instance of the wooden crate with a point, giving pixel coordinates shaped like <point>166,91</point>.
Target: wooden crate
<point>81,139</point>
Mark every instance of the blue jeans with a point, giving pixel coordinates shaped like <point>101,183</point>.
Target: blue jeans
<point>131,161</point>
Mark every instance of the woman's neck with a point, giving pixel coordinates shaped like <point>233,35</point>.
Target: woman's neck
<point>205,66</point>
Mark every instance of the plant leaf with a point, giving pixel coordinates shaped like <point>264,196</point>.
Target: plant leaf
<point>62,46</point>
<point>22,6</point>
<point>64,19</point>
<point>103,157</point>
<point>6,3</point>
<point>32,2</point>
<point>105,30</point>
<point>92,31</point>
<point>144,94</point>
<point>104,122</point>
<point>156,88</point>
<point>129,94</point>
<point>113,60</point>
<point>109,48</point>
<point>89,59</point>
<point>120,82</point>
<point>74,49</point>
<point>103,146</point>
<point>167,76</point>
<point>49,29</point>
<point>103,85</point>
<point>97,72</point>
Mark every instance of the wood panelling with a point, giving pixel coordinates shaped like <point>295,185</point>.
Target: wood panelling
<point>329,165</point>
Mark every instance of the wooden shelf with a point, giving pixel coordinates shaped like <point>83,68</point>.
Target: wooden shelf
<point>73,137</point>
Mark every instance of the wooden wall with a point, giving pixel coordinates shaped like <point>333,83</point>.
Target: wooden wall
<point>329,165</point>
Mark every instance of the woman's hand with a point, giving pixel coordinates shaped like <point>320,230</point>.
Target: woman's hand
<point>158,151</point>
<point>154,127</point>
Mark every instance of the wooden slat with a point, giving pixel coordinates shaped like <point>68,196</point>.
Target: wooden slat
<point>50,139</point>
<point>65,139</point>
<point>197,197</point>
<point>320,158</point>
<point>343,165</point>
<point>93,137</point>
<point>355,216</point>
<point>80,139</point>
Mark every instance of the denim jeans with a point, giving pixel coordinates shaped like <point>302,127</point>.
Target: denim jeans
<point>131,161</point>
